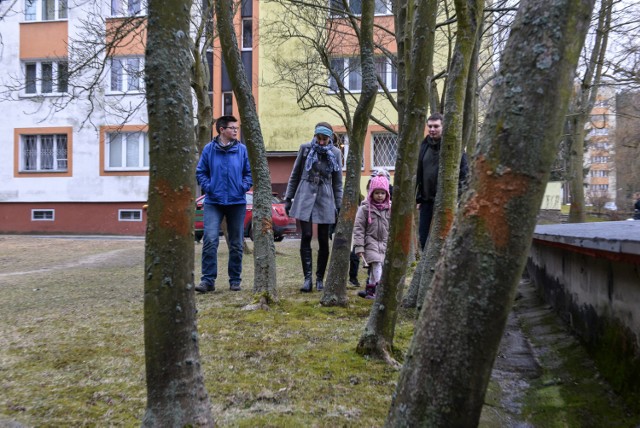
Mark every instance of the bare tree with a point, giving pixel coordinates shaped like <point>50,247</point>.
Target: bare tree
<point>580,110</point>
<point>377,338</point>
<point>448,364</point>
<point>176,395</point>
<point>264,259</point>
<point>335,291</point>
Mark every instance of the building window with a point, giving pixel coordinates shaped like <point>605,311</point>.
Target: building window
<point>385,150</point>
<point>46,77</point>
<point>129,215</point>
<point>342,141</point>
<point>127,151</point>
<point>126,7</point>
<point>388,72</point>
<point>247,34</point>
<point>127,74</point>
<point>45,10</point>
<point>383,7</point>
<point>47,152</point>
<point>349,73</point>
<point>227,103</point>
<point>42,215</point>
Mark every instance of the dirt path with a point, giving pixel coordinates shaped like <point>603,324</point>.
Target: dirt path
<point>90,260</point>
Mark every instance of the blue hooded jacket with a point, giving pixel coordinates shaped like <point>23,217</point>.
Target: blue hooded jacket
<point>224,173</point>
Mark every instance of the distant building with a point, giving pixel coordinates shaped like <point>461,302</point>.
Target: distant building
<point>600,180</point>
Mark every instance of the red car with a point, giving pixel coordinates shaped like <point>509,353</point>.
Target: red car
<point>282,223</point>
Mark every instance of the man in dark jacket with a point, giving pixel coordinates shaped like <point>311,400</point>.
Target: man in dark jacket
<point>224,174</point>
<point>427,174</point>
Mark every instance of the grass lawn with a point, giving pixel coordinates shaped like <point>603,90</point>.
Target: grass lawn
<point>71,342</point>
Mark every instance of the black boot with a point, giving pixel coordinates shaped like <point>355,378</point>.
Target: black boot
<point>323,258</point>
<point>305,257</point>
<point>354,265</point>
<point>369,292</point>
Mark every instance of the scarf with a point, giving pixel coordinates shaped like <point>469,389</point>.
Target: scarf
<point>313,156</point>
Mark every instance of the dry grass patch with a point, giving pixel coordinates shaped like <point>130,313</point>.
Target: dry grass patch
<point>71,342</point>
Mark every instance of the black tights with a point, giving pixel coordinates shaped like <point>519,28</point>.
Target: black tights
<point>306,228</point>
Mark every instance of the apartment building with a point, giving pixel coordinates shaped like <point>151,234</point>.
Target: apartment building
<point>74,146</point>
<point>600,149</point>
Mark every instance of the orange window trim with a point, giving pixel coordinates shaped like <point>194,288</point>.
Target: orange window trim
<point>17,132</point>
<point>104,130</point>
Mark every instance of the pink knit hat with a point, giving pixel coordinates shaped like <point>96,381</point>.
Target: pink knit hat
<point>377,183</point>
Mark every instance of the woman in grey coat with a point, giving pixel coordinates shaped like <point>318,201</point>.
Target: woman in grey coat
<point>313,196</point>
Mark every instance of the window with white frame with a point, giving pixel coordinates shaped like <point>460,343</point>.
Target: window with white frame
<point>382,7</point>
<point>227,103</point>
<point>386,69</point>
<point>42,215</point>
<point>349,72</point>
<point>247,34</point>
<point>385,150</point>
<point>343,144</point>
<point>126,7</point>
<point>127,74</point>
<point>46,77</point>
<point>129,215</point>
<point>127,151</point>
<point>46,152</point>
<point>45,10</point>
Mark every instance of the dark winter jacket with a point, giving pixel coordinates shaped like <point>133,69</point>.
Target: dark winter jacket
<point>224,173</point>
<point>316,193</point>
<point>427,173</point>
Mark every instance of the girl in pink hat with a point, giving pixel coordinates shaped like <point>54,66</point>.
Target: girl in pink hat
<point>371,230</point>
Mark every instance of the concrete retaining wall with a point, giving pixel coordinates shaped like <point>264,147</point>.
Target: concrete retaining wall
<point>590,274</point>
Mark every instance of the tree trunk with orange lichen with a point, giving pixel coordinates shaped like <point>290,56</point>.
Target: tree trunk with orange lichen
<point>377,339</point>
<point>264,257</point>
<point>176,395</point>
<point>449,361</point>
<point>469,13</point>
<point>335,290</point>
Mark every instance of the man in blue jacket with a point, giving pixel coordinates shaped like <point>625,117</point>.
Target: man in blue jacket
<point>224,174</point>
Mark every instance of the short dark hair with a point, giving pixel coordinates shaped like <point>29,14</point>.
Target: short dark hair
<point>436,116</point>
<point>223,121</point>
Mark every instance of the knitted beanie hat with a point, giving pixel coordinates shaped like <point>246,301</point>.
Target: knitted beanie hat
<point>379,182</point>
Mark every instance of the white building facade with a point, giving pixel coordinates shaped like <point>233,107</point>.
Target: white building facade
<point>72,160</point>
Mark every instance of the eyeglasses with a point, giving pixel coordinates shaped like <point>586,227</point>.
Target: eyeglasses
<point>233,128</point>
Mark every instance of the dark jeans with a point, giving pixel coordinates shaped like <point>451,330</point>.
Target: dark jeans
<point>213,215</point>
<point>426,214</point>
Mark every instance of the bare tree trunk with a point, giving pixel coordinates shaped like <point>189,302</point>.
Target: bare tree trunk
<point>176,395</point>
<point>584,101</point>
<point>264,258</point>
<point>377,338</point>
<point>469,13</point>
<point>448,365</point>
<point>335,291</point>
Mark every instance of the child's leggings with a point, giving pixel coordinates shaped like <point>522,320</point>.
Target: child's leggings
<point>375,272</point>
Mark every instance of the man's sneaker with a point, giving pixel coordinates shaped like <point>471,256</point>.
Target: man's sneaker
<point>205,287</point>
<point>354,282</point>
<point>234,287</point>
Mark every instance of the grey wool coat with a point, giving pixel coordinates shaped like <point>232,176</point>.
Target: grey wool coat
<point>371,238</point>
<point>316,193</point>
